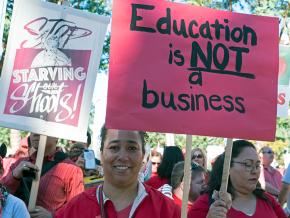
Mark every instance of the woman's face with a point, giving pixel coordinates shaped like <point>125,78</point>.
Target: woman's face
<point>198,157</point>
<point>155,160</point>
<point>122,157</point>
<point>245,171</point>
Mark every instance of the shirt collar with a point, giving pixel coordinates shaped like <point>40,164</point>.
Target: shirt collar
<point>142,193</point>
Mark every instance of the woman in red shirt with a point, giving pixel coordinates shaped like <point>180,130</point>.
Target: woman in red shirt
<point>248,199</point>
<point>121,195</point>
<point>171,156</point>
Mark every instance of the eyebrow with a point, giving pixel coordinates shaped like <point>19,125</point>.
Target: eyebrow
<point>128,141</point>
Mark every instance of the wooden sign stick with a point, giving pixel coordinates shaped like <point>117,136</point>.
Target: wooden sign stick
<point>187,176</point>
<point>227,165</point>
<point>35,182</point>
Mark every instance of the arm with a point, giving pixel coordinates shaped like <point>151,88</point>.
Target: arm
<point>12,179</point>
<point>271,189</point>
<point>283,193</point>
<point>74,184</point>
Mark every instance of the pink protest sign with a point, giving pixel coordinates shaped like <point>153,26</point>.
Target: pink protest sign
<point>192,70</point>
<point>50,69</point>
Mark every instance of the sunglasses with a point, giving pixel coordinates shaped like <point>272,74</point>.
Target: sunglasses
<point>267,152</point>
<point>199,156</point>
<point>155,163</point>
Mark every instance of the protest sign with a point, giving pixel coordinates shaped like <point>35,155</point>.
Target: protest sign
<point>192,70</point>
<point>50,68</point>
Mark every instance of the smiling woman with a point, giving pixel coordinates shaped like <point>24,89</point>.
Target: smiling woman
<point>121,195</point>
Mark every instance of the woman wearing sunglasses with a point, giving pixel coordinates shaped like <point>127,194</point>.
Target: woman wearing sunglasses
<point>198,156</point>
<point>171,156</point>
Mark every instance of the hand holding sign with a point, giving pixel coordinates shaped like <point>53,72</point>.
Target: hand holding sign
<point>221,205</point>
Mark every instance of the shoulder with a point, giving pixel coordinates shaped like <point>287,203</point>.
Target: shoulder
<point>69,164</point>
<point>274,205</point>
<point>84,204</point>
<point>164,203</point>
<point>11,199</point>
<point>15,207</point>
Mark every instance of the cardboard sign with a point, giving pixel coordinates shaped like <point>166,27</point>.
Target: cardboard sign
<point>50,69</point>
<point>192,70</point>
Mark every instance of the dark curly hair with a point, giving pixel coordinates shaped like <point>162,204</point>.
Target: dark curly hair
<point>217,171</point>
<point>103,136</point>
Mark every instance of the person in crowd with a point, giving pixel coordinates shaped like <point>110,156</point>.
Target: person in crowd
<point>146,169</point>
<point>10,206</point>
<point>271,178</point>
<point>155,159</point>
<point>171,156</point>
<point>284,195</point>
<point>60,180</point>
<point>121,194</point>
<point>76,150</point>
<point>197,184</point>
<point>76,154</point>
<point>248,199</point>
<point>87,144</point>
<point>198,156</point>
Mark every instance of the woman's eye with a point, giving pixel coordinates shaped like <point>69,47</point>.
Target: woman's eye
<point>132,148</point>
<point>114,148</point>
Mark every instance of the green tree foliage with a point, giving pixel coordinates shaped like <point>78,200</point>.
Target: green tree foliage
<point>259,7</point>
<point>180,140</point>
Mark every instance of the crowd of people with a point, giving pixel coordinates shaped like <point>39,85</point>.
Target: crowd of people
<point>139,182</point>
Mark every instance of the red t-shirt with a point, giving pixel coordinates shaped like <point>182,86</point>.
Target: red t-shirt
<point>263,209</point>
<point>155,204</point>
<point>178,202</point>
<point>156,182</point>
<point>125,212</point>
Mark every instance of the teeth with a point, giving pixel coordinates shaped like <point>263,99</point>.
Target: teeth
<point>121,167</point>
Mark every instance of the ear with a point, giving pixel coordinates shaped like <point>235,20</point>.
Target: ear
<point>181,185</point>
